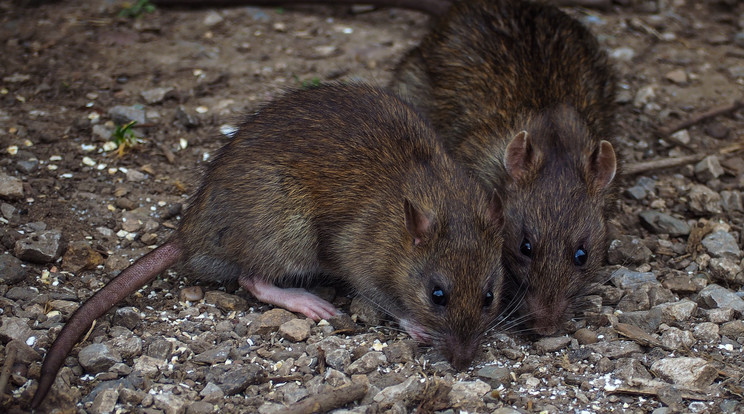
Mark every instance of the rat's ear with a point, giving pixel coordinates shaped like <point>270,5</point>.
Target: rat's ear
<point>520,156</point>
<point>495,210</point>
<point>603,165</point>
<point>418,224</point>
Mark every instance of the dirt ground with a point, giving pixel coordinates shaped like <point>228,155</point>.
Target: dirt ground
<point>68,67</point>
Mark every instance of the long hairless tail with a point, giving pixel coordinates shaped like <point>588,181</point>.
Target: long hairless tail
<point>129,281</point>
<point>431,7</point>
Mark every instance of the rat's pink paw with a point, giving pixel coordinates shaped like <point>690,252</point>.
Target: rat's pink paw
<point>293,299</point>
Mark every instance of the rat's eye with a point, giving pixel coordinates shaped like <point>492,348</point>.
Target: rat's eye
<point>580,256</point>
<point>438,296</point>
<point>526,248</point>
<point>488,300</point>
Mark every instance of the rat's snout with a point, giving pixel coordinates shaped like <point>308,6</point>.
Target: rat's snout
<point>547,314</point>
<point>459,353</point>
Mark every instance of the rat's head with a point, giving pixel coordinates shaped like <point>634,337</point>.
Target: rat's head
<point>556,203</point>
<point>453,273</point>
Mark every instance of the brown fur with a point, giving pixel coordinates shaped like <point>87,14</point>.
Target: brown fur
<point>490,69</point>
<point>342,180</point>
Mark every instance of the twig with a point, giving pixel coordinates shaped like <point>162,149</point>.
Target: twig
<point>700,117</point>
<point>320,403</point>
<point>10,356</point>
<point>639,167</point>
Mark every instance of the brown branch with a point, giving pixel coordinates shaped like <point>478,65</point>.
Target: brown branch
<point>658,164</point>
<point>10,355</point>
<point>644,166</point>
<point>700,117</point>
<point>327,401</point>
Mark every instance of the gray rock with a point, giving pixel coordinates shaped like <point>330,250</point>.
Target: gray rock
<point>24,293</point>
<point>338,359</point>
<point>122,115</point>
<point>586,336</point>
<point>11,188</point>
<point>721,244</point>
<point>8,211</point>
<point>716,296</point>
<point>128,316</point>
<point>102,132</point>
<point>661,223</point>
<point>213,356</point>
<point>469,394</point>
<point>627,279</point>
<point>733,329</point>
<point>367,363</point>
<point>615,349</point>
<point>400,351</point>
<point>186,119</point>
<point>148,366</point>
<point>703,201</point>
<point>721,315</point>
<point>726,270</point>
<point>365,311</point>
<point>28,166</point>
<point>636,192</point>
<point>686,371</point>
<point>627,250</point>
<point>629,369</point>
<point>234,378</point>
<point>551,344</point>
<point>296,330</point>
<point>97,358</point>
<point>677,311</point>
<point>135,176</point>
<point>14,328</point>
<point>40,247</point>
<point>706,332</point>
<point>732,201</point>
<point>506,410</point>
<point>494,375</point>
<point>403,391</point>
<point>228,303</point>
<point>675,338</point>
<point>212,18</point>
<point>170,403</point>
<point>648,321</point>
<point>155,95</point>
<point>105,401</point>
<point>709,168</point>
<point>201,407</point>
<point>212,393</point>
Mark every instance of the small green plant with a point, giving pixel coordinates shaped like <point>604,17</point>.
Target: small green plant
<point>307,83</point>
<point>136,9</point>
<point>124,137</point>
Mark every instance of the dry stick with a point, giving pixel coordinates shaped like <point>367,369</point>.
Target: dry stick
<point>700,117</point>
<point>10,356</point>
<point>639,167</point>
<point>320,403</point>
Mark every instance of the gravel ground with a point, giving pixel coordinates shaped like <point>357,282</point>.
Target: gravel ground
<point>664,334</point>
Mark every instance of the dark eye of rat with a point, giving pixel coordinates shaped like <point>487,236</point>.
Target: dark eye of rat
<point>438,296</point>
<point>489,300</point>
<point>526,248</point>
<point>580,256</point>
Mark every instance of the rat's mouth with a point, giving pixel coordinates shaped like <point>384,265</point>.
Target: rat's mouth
<point>417,331</point>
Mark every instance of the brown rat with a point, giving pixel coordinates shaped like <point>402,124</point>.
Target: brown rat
<point>344,180</point>
<point>523,96</point>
